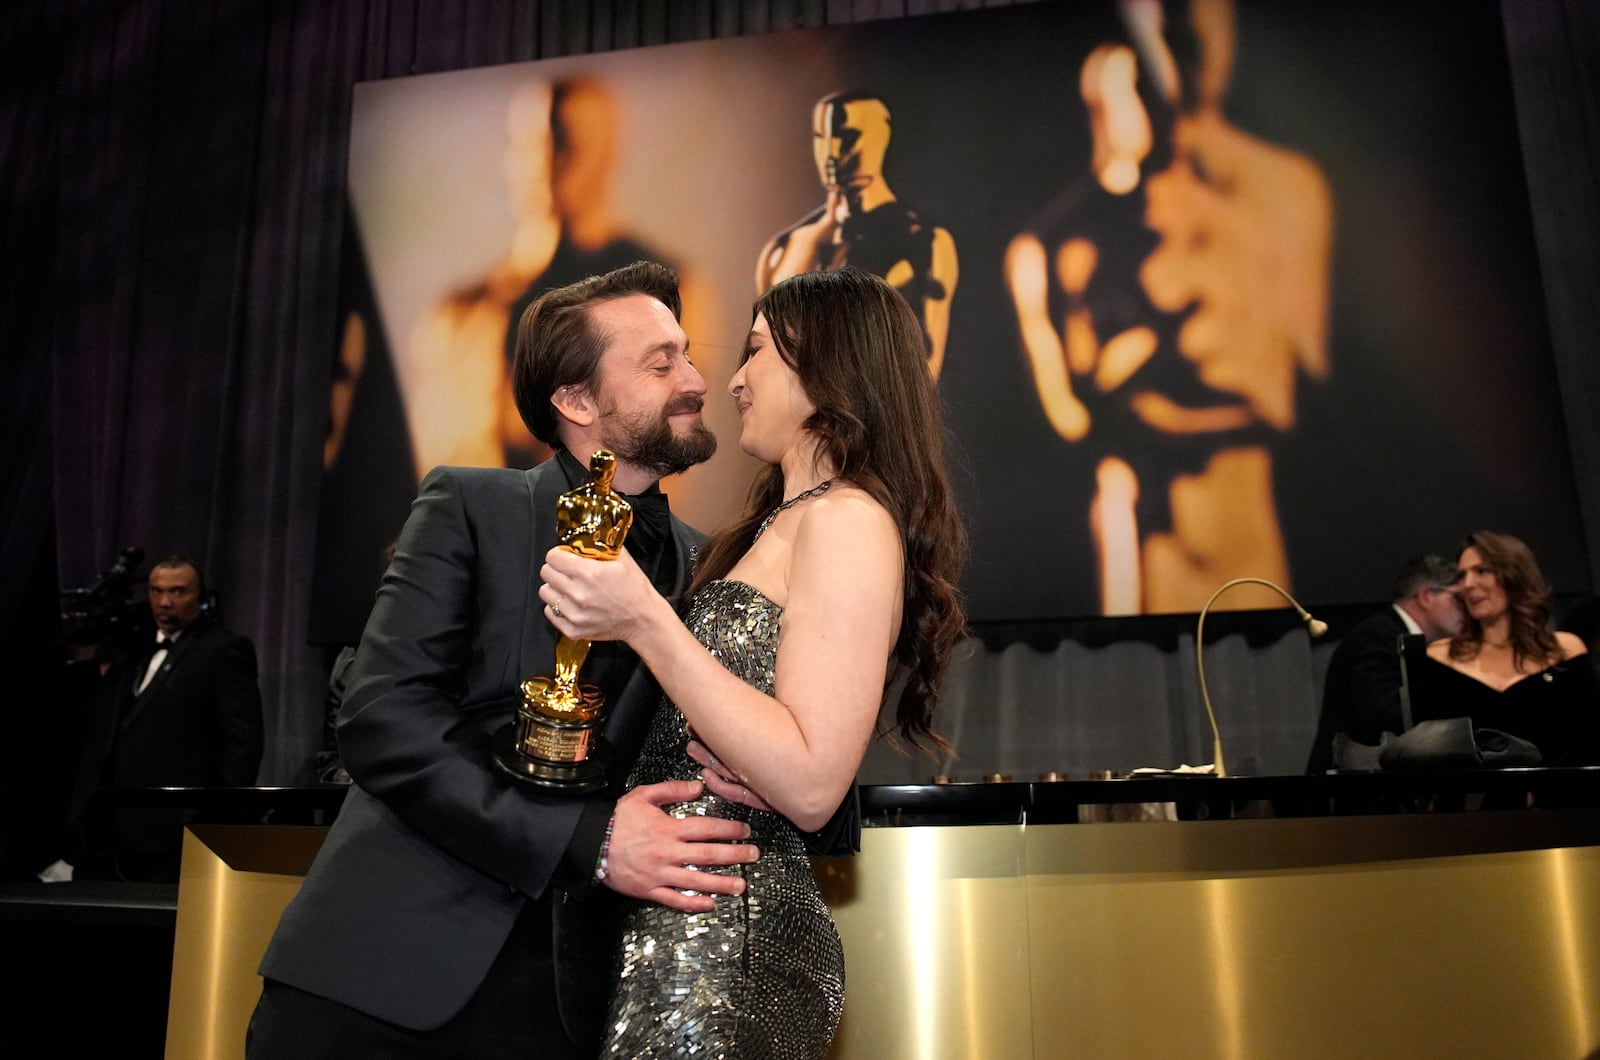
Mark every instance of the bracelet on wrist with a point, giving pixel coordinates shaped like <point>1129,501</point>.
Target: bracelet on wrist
<point>602,861</point>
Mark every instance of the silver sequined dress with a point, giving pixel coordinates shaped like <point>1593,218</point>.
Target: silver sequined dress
<point>762,975</point>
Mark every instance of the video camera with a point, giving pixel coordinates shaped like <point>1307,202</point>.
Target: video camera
<point>105,611</point>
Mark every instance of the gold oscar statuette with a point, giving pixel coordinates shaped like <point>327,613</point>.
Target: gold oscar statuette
<point>555,743</point>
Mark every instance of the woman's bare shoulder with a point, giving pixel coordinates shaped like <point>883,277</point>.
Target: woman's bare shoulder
<point>848,509</point>
<point>1571,644</point>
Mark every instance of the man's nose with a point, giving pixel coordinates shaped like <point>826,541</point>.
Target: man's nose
<point>691,381</point>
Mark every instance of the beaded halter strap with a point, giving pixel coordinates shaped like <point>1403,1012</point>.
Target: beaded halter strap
<point>790,503</point>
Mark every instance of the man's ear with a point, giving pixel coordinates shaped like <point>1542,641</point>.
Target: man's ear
<point>575,404</point>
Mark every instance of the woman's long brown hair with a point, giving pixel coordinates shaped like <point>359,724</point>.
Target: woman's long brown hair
<point>861,358</point>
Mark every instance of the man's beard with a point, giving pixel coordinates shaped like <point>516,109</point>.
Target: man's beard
<point>651,444</point>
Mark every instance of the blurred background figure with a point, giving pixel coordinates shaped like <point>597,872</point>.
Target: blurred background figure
<point>1361,690</point>
<point>183,710</point>
<point>1166,302</point>
<point>1507,668</point>
<point>368,472</point>
<point>327,765</point>
<point>443,395</point>
<point>560,159</point>
<point>863,223</point>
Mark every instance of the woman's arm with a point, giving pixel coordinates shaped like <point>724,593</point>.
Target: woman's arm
<point>800,748</point>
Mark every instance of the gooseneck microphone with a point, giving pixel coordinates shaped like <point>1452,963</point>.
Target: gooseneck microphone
<point>1315,626</point>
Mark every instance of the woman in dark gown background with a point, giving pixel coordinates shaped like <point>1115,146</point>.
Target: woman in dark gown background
<point>1507,668</point>
<point>838,580</point>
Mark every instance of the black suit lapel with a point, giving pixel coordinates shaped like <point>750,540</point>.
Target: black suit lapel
<point>545,485</point>
<point>168,674</point>
<point>136,701</point>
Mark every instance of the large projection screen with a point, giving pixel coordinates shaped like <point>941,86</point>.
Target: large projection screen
<point>1252,293</point>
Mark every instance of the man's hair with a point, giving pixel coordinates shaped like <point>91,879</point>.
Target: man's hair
<point>558,345</point>
<point>1426,570</point>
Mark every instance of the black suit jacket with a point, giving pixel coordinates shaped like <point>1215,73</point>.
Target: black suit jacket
<point>197,724</point>
<point>434,854</point>
<point>1361,692</point>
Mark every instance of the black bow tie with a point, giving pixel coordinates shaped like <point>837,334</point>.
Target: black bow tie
<point>649,540</point>
<point>650,512</point>
<point>161,645</point>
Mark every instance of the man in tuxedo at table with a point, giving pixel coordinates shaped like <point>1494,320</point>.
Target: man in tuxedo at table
<point>185,711</point>
<point>1361,691</point>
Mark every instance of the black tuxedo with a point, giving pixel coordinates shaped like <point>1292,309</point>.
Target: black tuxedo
<point>1361,692</point>
<point>434,855</point>
<point>197,723</point>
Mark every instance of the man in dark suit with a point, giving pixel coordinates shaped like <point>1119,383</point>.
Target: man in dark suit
<point>185,711</point>
<point>1361,691</point>
<point>452,911</point>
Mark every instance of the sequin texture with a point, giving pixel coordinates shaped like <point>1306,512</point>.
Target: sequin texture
<point>762,975</point>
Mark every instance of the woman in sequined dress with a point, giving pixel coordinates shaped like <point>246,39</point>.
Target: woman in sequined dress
<point>838,579</point>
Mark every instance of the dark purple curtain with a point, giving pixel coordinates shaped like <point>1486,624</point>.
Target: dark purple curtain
<point>172,176</point>
<point>1554,47</point>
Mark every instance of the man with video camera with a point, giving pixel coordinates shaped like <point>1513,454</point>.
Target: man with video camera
<point>180,709</point>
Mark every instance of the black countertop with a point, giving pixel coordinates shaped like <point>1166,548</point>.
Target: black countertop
<point>1197,796</point>
<point>1182,797</point>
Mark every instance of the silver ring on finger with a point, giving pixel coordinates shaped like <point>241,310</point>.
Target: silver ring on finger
<point>555,608</point>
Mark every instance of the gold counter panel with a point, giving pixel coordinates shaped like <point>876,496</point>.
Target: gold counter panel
<point>1428,935</point>
<point>1297,938</point>
<point>233,886</point>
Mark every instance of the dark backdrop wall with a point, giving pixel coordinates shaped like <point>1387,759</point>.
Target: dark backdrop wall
<point>173,183</point>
